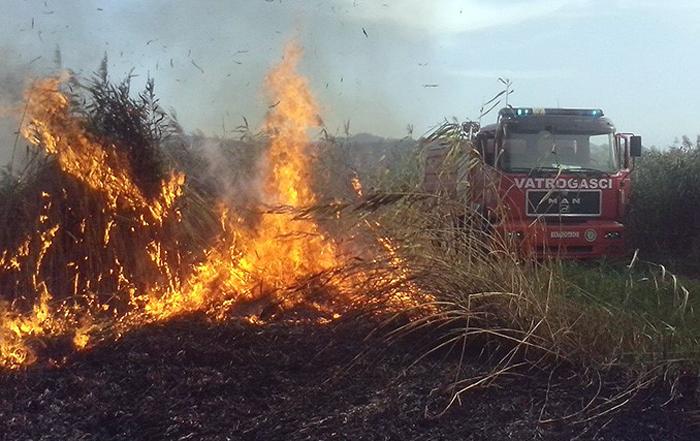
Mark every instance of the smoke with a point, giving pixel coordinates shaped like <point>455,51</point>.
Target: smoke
<point>208,58</point>
<point>370,62</point>
<point>13,79</point>
<point>233,169</point>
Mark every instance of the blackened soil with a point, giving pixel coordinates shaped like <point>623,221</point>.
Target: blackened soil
<point>191,379</point>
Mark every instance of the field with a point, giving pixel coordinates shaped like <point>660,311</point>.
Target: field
<point>158,285</point>
<point>191,379</point>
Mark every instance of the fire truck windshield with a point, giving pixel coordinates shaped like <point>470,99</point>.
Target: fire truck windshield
<point>544,150</point>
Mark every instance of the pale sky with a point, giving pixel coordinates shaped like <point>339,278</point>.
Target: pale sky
<point>635,59</point>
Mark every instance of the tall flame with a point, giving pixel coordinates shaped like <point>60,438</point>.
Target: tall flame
<point>304,250</point>
<point>245,263</point>
<point>280,249</point>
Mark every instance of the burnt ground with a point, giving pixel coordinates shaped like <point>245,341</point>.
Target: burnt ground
<point>191,379</point>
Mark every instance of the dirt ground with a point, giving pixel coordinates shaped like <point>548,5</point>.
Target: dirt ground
<point>191,379</point>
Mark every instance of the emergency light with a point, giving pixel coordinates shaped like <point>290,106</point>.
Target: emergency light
<point>527,111</point>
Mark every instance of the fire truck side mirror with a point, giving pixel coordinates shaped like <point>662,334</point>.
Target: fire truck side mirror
<point>635,146</point>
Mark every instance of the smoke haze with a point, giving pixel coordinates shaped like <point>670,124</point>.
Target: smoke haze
<point>381,65</point>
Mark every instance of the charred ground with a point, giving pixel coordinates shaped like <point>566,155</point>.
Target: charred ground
<point>175,372</point>
<point>193,379</point>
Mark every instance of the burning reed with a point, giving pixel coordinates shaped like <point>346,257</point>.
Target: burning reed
<point>115,244</point>
<point>104,233</point>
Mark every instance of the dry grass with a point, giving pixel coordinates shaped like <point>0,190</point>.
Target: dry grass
<point>524,313</point>
<point>471,284</point>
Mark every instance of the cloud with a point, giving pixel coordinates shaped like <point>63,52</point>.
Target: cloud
<point>454,16</point>
<point>676,5</point>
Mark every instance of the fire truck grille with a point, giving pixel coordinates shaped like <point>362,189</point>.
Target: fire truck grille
<point>563,202</point>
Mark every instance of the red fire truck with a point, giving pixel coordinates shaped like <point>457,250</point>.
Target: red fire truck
<point>555,181</point>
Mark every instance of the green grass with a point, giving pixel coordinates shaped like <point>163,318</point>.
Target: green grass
<point>661,302</point>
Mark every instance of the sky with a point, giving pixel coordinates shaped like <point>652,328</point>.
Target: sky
<point>369,62</point>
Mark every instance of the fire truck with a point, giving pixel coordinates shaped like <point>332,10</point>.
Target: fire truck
<point>553,181</point>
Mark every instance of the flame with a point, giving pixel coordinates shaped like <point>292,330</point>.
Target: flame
<point>245,264</point>
<point>51,126</point>
<point>304,250</point>
<point>81,338</point>
<point>16,328</point>
<point>280,249</point>
<point>356,185</point>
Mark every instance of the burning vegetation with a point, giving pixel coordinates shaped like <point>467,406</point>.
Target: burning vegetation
<point>113,226</point>
<point>113,248</point>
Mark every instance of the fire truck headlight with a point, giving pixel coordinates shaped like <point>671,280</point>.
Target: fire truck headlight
<point>613,235</point>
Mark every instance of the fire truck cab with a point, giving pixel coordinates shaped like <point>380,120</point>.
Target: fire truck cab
<point>556,181</point>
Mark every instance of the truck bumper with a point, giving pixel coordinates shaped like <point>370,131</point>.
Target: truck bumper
<point>581,240</point>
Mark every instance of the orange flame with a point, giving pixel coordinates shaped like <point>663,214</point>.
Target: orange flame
<point>304,250</point>
<point>356,185</point>
<point>243,264</point>
<point>51,126</point>
<point>280,249</point>
<point>15,327</point>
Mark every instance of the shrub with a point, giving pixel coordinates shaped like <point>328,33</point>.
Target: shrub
<point>664,216</point>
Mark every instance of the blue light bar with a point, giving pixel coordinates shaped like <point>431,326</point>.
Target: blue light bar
<point>522,112</point>
<point>573,112</point>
